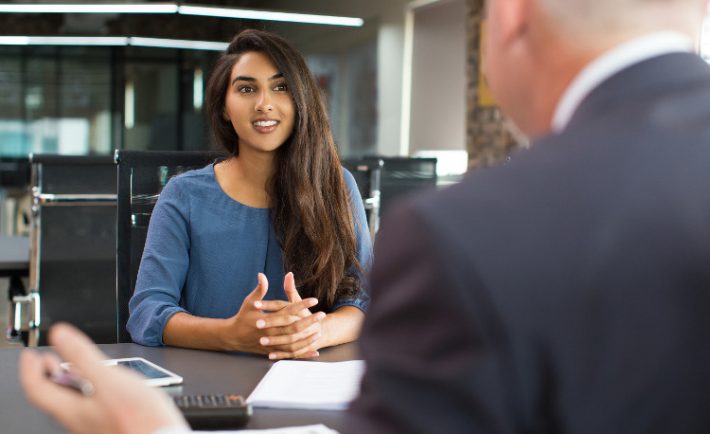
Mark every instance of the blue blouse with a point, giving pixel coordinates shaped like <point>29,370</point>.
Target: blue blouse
<point>204,250</point>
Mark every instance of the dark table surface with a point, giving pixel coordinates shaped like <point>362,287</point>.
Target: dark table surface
<point>204,372</point>
<point>14,254</point>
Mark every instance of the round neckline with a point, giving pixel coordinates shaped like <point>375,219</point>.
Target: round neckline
<point>230,198</point>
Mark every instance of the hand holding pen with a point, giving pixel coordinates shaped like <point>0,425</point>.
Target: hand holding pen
<point>113,400</point>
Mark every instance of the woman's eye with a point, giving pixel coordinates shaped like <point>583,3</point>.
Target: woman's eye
<point>246,89</point>
<point>281,87</point>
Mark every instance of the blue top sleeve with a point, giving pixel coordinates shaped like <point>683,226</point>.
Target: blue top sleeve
<point>163,268</point>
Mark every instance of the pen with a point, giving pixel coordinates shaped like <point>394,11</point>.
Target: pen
<point>66,378</point>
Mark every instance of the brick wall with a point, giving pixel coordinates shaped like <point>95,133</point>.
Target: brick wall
<point>487,139</point>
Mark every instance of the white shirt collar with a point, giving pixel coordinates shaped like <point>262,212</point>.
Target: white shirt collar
<point>611,62</point>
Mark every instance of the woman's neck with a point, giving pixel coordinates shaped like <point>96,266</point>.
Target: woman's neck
<point>254,168</point>
<point>244,178</point>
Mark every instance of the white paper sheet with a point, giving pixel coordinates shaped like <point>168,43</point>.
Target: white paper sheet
<point>309,385</point>
<point>309,429</point>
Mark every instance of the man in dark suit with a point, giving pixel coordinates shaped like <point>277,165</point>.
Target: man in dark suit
<point>568,290</point>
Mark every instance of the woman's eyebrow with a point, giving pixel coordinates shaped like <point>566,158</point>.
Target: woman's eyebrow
<point>252,79</point>
<point>243,78</point>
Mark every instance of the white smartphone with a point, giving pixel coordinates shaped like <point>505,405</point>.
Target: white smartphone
<point>154,375</point>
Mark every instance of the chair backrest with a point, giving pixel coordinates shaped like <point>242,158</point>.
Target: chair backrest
<point>73,243</point>
<point>381,180</point>
<point>141,177</point>
<point>367,173</point>
<point>405,175</point>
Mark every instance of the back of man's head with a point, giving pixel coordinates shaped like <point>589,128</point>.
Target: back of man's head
<point>534,48</point>
<point>585,21</point>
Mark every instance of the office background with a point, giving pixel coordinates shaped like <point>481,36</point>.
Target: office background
<point>405,83</point>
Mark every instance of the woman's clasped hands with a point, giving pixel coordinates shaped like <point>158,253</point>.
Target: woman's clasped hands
<point>282,329</point>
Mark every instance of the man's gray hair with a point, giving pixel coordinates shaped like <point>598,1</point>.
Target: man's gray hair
<point>587,18</point>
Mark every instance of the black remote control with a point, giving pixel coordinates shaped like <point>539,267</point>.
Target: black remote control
<point>214,411</point>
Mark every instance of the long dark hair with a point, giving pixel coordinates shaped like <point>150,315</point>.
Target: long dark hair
<point>309,202</point>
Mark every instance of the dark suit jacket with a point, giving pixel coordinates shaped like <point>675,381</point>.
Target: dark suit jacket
<point>567,291</point>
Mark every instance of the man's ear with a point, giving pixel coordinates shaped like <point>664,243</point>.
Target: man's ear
<point>514,16</point>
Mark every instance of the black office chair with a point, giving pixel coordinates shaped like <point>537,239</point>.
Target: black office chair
<point>72,245</point>
<point>367,175</point>
<point>141,177</point>
<point>382,180</point>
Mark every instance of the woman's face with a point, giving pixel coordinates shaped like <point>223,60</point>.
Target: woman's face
<point>258,104</point>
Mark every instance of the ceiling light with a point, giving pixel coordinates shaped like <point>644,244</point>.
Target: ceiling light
<point>65,40</point>
<point>172,8</point>
<point>120,41</point>
<point>253,14</point>
<point>142,8</point>
<point>178,43</point>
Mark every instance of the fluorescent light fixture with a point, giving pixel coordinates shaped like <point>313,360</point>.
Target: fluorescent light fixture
<point>125,8</point>
<point>129,101</point>
<point>64,40</point>
<point>254,14</point>
<point>119,41</point>
<point>172,8</point>
<point>197,92</point>
<point>178,43</point>
<point>15,40</point>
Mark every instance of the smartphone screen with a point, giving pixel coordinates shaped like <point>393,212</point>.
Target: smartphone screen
<point>154,375</point>
<point>143,368</point>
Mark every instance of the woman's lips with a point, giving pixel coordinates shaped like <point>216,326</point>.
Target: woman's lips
<point>265,126</point>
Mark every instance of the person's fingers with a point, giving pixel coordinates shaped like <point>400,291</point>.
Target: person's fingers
<point>273,305</point>
<point>289,342</point>
<point>60,402</point>
<point>52,364</point>
<point>271,321</point>
<point>290,288</point>
<point>76,348</point>
<point>254,298</point>
<point>296,307</point>
<point>277,305</point>
<point>297,326</point>
<point>307,352</point>
<point>293,311</point>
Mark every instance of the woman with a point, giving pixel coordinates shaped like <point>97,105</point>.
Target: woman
<point>280,202</point>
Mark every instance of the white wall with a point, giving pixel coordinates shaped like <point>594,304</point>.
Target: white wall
<point>438,90</point>
<point>390,64</point>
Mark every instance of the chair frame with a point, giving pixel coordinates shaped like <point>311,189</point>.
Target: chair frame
<point>29,330</point>
<point>125,162</point>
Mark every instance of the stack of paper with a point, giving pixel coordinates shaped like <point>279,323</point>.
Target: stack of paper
<point>309,385</point>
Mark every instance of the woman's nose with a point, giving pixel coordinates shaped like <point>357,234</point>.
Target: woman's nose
<point>263,104</point>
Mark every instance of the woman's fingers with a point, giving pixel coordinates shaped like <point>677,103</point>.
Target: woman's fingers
<point>271,305</point>
<point>286,341</point>
<point>274,306</point>
<point>257,293</point>
<point>297,307</point>
<point>297,326</point>
<point>291,313</point>
<point>272,321</point>
<point>290,288</point>
<point>307,352</point>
